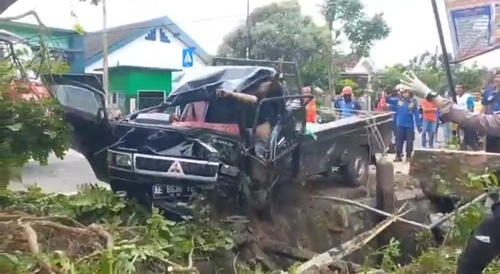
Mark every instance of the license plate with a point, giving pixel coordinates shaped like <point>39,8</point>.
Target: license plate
<point>165,191</point>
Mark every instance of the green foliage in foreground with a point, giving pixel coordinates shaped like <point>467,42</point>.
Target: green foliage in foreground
<point>30,128</point>
<point>443,259</point>
<point>95,231</point>
<point>439,260</point>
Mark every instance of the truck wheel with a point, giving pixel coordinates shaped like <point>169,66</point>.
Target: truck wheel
<point>356,167</point>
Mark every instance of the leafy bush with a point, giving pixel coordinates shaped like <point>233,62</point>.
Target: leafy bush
<point>29,128</point>
<point>97,231</point>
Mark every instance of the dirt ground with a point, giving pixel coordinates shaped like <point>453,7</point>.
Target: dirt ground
<point>317,224</point>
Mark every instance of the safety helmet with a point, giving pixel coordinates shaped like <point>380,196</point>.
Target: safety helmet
<point>400,87</point>
<point>347,90</point>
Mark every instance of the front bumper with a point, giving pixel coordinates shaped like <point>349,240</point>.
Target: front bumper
<point>164,170</point>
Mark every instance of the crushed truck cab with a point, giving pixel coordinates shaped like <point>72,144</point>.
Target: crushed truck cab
<point>199,142</point>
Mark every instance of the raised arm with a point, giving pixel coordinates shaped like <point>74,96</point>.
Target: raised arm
<point>243,97</point>
<point>483,123</point>
<point>250,99</point>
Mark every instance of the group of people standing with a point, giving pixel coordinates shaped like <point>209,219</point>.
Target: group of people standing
<point>412,115</point>
<point>423,116</point>
<point>346,104</point>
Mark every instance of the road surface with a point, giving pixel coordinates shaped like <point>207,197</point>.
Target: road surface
<point>59,176</point>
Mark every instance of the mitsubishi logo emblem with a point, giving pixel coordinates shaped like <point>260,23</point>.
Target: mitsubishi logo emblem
<point>175,168</point>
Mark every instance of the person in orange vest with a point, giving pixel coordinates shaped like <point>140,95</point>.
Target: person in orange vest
<point>311,110</point>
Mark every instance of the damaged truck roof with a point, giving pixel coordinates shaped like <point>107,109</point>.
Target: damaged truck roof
<point>234,78</point>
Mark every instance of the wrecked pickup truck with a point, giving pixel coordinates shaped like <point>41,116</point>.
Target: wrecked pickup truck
<point>159,157</point>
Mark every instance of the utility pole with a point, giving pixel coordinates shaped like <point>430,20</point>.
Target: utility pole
<point>247,53</point>
<point>105,75</point>
<point>446,62</point>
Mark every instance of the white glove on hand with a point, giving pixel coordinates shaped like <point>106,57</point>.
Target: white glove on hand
<point>411,80</point>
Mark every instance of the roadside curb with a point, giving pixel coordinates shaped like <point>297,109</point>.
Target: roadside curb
<point>68,154</point>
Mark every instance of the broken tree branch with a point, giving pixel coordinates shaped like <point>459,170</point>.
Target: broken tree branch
<point>372,209</point>
<point>334,255</point>
<point>459,210</point>
<point>403,220</point>
<point>22,15</point>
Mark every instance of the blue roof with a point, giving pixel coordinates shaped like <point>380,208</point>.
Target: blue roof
<point>121,36</point>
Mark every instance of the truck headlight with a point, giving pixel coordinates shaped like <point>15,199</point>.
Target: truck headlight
<point>121,160</point>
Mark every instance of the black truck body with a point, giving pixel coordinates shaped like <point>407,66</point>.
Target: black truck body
<point>158,159</point>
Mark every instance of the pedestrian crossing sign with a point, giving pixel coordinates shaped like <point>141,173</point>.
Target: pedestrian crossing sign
<point>187,57</point>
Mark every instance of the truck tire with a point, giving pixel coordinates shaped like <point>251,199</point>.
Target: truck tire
<point>356,167</point>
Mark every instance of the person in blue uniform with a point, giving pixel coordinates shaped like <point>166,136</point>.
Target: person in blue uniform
<point>347,105</point>
<point>392,99</point>
<point>407,118</point>
<point>491,105</point>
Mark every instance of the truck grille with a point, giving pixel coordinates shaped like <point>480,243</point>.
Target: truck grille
<point>162,165</point>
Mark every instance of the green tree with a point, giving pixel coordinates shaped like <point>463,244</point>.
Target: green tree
<point>281,31</point>
<point>473,77</point>
<point>347,17</point>
<point>430,69</point>
<point>389,77</point>
<point>29,128</point>
<point>339,85</point>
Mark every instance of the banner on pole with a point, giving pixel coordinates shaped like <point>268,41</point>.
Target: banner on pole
<point>474,27</point>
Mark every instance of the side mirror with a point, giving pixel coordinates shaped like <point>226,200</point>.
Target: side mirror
<point>249,135</point>
<point>100,114</point>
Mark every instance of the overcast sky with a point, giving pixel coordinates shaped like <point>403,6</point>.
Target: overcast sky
<point>207,21</point>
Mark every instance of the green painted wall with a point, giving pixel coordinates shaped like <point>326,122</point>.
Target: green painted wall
<point>150,80</point>
<point>130,80</point>
<point>54,39</point>
<point>119,80</point>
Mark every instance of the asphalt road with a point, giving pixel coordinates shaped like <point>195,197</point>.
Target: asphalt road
<point>64,176</point>
<point>418,140</point>
<point>59,176</point>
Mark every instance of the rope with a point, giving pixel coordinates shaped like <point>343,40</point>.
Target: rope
<point>374,131</point>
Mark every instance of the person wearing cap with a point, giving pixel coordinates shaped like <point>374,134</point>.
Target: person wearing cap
<point>484,244</point>
<point>347,105</point>
<point>407,118</point>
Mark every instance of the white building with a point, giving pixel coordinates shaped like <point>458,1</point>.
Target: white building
<point>156,43</point>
